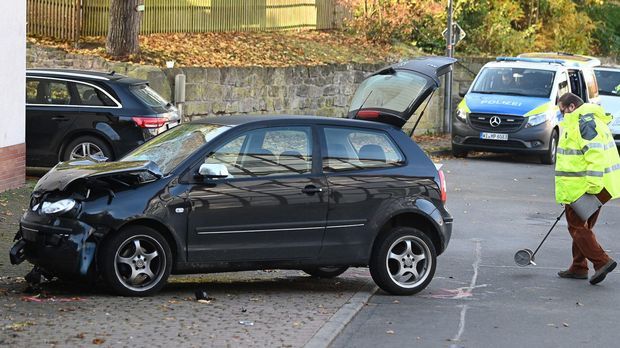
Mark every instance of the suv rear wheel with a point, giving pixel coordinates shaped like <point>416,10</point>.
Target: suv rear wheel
<point>404,261</point>
<point>136,261</point>
<point>86,146</point>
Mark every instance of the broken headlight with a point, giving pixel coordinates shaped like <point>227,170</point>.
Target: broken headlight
<point>58,207</point>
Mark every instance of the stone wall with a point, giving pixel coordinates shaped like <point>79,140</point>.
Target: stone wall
<point>321,90</point>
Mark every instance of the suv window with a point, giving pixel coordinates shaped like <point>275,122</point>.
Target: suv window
<point>39,91</point>
<point>267,152</point>
<point>92,96</point>
<point>148,95</point>
<point>353,149</point>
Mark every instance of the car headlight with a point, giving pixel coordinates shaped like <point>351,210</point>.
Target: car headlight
<point>461,115</point>
<point>58,207</point>
<point>537,119</point>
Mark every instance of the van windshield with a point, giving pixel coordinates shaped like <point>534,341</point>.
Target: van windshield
<point>608,82</point>
<point>515,81</point>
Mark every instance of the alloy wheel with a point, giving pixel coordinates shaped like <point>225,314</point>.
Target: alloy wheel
<point>86,149</point>
<point>408,261</point>
<point>140,263</point>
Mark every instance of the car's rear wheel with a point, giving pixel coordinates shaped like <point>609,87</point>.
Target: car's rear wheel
<point>136,261</point>
<point>550,156</point>
<point>86,146</point>
<point>326,272</point>
<point>403,261</point>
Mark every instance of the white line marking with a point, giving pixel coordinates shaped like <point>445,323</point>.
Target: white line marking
<point>472,286</point>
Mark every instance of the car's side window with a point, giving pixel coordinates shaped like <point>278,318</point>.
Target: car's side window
<point>91,96</point>
<point>267,152</point>
<point>32,89</point>
<point>354,149</point>
<point>59,92</point>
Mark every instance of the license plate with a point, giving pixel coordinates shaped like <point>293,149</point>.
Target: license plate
<point>494,136</point>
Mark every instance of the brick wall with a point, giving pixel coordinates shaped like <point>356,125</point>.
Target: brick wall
<point>12,170</point>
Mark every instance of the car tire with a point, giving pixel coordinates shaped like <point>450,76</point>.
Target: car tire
<point>458,151</point>
<point>403,261</point>
<point>550,156</point>
<point>136,261</point>
<point>326,272</point>
<point>84,146</point>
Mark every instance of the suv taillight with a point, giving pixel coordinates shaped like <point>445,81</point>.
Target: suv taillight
<point>442,187</point>
<point>149,122</point>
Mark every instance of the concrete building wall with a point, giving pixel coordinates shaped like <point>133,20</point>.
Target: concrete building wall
<point>12,91</point>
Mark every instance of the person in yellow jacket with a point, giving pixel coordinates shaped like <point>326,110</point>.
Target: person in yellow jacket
<point>587,163</point>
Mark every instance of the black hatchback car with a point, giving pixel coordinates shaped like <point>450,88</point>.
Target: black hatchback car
<point>72,114</point>
<point>253,192</point>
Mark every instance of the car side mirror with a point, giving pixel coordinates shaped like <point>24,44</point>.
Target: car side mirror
<point>213,171</point>
<point>462,94</point>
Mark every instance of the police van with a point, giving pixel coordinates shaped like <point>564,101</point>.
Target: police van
<point>512,104</point>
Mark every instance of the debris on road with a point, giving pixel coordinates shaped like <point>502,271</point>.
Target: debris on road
<point>246,322</point>
<point>44,298</point>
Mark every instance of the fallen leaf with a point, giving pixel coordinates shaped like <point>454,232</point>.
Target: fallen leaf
<point>98,341</point>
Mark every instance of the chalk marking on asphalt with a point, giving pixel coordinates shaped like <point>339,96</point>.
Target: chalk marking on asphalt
<point>472,286</point>
<point>330,330</point>
<point>519,267</point>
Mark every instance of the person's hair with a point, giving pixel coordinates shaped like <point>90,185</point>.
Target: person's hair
<point>569,98</point>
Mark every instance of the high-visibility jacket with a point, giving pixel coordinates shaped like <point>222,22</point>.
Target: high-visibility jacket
<point>587,158</point>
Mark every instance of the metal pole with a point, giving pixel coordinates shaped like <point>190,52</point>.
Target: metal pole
<point>447,102</point>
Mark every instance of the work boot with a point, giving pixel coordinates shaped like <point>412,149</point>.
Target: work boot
<point>572,275</point>
<point>600,274</point>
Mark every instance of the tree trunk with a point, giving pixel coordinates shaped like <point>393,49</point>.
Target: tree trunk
<point>124,28</point>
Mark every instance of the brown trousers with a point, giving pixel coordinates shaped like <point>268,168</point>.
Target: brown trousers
<point>585,245</point>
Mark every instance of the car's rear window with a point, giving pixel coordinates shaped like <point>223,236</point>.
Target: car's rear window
<point>392,92</point>
<point>148,95</point>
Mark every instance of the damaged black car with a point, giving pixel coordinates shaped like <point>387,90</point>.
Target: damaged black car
<point>253,192</point>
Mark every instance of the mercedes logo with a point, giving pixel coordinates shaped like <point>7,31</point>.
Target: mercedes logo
<point>495,121</point>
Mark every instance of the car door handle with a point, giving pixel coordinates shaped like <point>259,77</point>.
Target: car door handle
<point>311,189</point>
<point>60,118</point>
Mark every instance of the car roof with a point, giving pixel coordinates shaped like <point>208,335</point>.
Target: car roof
<point>608,68</point>
<point>236,120</point>
<point>569,58</point>
<point>525,64</point>
<point>85,75</point>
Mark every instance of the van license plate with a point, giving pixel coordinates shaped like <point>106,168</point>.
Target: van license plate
<point>494,136</point>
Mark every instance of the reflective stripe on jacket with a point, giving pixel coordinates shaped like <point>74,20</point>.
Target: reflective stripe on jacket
<point>587,158</point>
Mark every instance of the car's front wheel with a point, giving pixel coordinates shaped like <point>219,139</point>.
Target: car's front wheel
<point>326,272</point>
<point>550,156</point>
<point>404,261</point>
<point>136,261</point>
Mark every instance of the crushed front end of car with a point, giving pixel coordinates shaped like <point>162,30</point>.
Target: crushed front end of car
<point>66,219</point>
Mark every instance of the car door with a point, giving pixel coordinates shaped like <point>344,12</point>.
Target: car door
<point>363,168</point>
<point>273,205</point>
<point>50,113</point>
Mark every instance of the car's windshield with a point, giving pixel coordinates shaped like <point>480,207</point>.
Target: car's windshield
<point>175,145</point>
<point>515,81</point>
<point>394,91</point>
<point>608,82</point>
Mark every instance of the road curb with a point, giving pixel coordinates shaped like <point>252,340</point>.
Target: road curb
<point>330,330</point>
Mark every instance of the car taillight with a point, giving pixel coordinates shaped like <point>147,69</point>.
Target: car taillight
<point>149,122</point>
<point>442,186</point>
<point>367,114</point>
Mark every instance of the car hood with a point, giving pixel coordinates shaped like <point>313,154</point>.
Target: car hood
<point>396,103</point>
<point>502,104</point>
<point>65,173</point>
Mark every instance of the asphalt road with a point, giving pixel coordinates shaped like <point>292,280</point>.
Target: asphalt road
<point>479,297</point>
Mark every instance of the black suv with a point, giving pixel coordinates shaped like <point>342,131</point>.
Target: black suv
<point>253,192</point>
<point>72,114</point>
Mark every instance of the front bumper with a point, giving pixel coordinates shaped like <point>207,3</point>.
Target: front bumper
<point>60,246</point>
<point>533,140</point>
